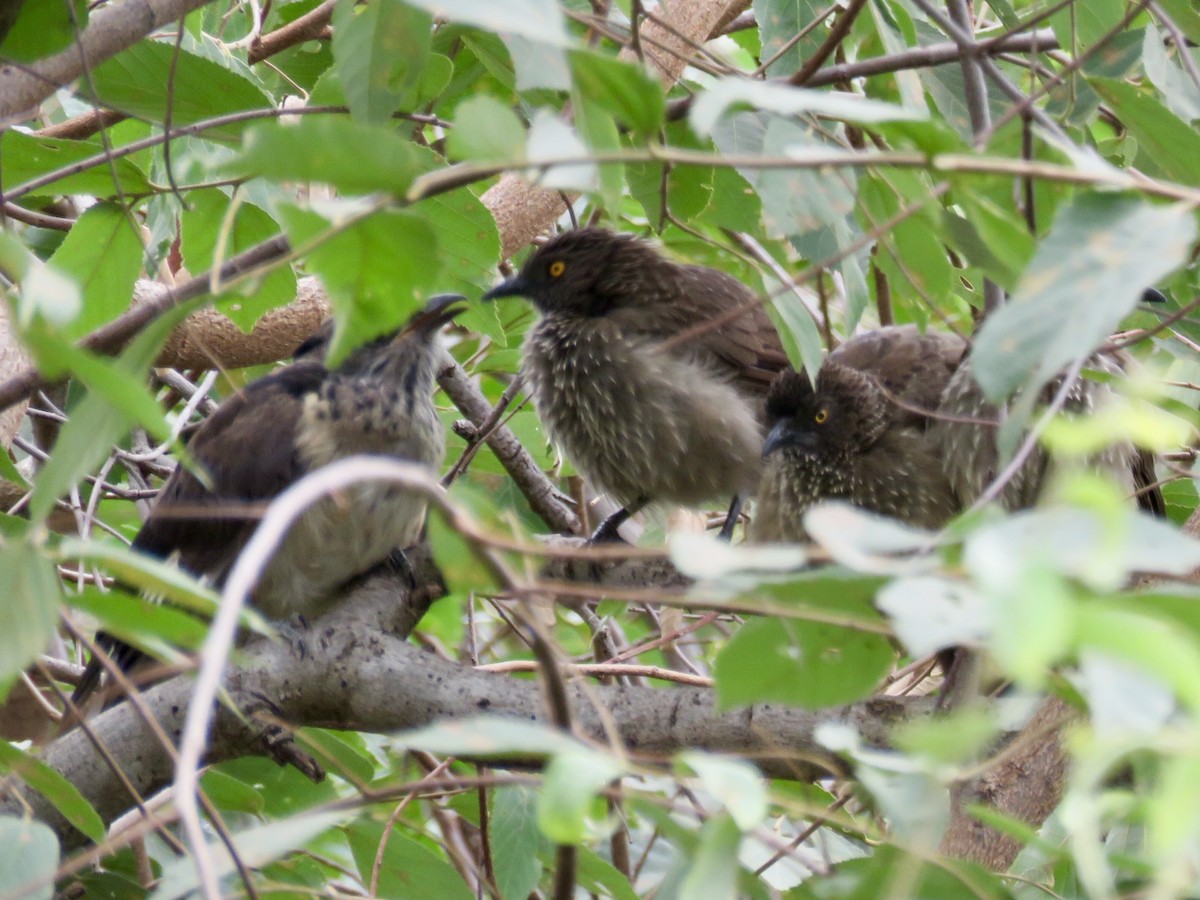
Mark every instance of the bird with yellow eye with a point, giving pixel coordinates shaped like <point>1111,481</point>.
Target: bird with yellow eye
<point>846,437</point>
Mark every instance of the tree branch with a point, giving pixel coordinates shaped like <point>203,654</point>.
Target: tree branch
<point>353,669</point>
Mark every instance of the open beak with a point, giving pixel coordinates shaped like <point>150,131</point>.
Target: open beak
<point>785,434</point>
<point>516,286</point>
<point>440,309</point>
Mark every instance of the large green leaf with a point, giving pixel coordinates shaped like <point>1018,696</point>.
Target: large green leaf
<point>152,76</point>
<point>1089,272</point>
<point>379,50</point>
<point>213,228</point>
<point>405,867</point>
<point>377,270</point>
<point>103,253</point>
<point>808,664</point>
<point>516,840</point>
<point>63,795</point>
<point>28,856</point>
<point>316,149</point>
<point>28,156</point>
<point>29,613</point>
<point>1166,143</point>
<point>36,28</point>
<point>779,21</point>
<point>538,20</point>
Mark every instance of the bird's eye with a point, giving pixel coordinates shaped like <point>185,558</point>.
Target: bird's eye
<point>821,417</point>
<point>557,268</point>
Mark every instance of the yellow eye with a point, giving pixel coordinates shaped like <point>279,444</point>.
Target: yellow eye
<point>557,268</point>
<point>821,417</point>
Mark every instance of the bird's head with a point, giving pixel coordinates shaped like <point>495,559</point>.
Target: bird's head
<point>585,272</point>
<point>395,349</point>
<point>844,414</point>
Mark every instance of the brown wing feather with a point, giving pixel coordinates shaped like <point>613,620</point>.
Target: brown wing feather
<point>679,300</point>
<point>246,450</point>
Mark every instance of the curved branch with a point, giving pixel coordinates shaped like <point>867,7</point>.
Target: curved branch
<point>354,670</point>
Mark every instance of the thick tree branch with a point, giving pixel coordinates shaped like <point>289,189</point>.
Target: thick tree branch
<point>353,669</point>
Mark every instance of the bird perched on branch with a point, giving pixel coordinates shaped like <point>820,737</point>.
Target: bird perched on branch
<point>650,374</point>
<point>859,434</point>
<point>379,400</point>
<point>971,457</point>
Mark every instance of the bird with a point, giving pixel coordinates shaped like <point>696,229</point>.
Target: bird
<point>859,434</point>
<point>971,457</point>
<point>378,400</point>
<point>649,373</point>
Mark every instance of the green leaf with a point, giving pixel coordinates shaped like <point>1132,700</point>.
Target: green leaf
<point>600,131</point>
<point>378,270</point>
<point>28,856</point>
<point>490,736</point>
<point>551,139</point>
<point>538,20</point>
<point>1179,92</point>
<point>407,868</point>
<point>1153,645</point>
<point>314,149</point>
<point>157,628</point>
<point>140,82</point>
<point>806,664</point>
<point>1088,273</point>
<point>516,841</point>
<point>29,613</point>
<point>571,782</point>
<point>1185,15</point>
<point>231,794</point>
<point>712,873</point>
<point>213,228</point>
<point>39,29</point>
<point>631,94</point>
<point>63,795</point>
<point>791,101</point>
<point>931,613</point>
<point>257,846</point>
<point>27,157</point>
<point>485,128</point>
<point>779,21</point>
<point>734,782</point>
<point>1166,144</point>
<point>468,242</point>
<point>103,415</point>
<point>380,51</point>
<point>601,878</point>
<point>103,253</point>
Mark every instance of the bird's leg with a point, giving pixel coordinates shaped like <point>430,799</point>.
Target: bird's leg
<point>731,517</point>
<point>607,531</point>
<point>399,563</point>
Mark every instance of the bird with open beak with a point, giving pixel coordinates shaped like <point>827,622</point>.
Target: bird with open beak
<point>378,400</point>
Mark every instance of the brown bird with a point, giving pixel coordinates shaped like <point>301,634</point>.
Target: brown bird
<point>650,374</point>
<point>971,457</point>
<point>859,435</point>
<point>379,400</point>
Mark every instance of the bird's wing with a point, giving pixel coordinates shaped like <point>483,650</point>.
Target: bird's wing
<point>913,367</point>
<point>246,450</point>
<point>745,347</point>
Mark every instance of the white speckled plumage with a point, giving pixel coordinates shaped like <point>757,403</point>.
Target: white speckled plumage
<point>645,409</point>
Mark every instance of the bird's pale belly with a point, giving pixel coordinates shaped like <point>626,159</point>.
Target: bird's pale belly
<point>647,427</point>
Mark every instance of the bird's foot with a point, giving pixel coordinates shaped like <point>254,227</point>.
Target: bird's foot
<point>280,745</point>
<point>294,632</point>
<point>731,519</point>
<point>608,531</point>
<point>399,563</point>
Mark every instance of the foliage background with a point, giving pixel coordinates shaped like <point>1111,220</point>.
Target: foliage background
<point>840,159</point>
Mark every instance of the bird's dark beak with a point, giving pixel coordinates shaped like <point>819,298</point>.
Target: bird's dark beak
<point>1153,295</point>
<point>440,309</point>
<point>785,434</point>
<point>517,286</point>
